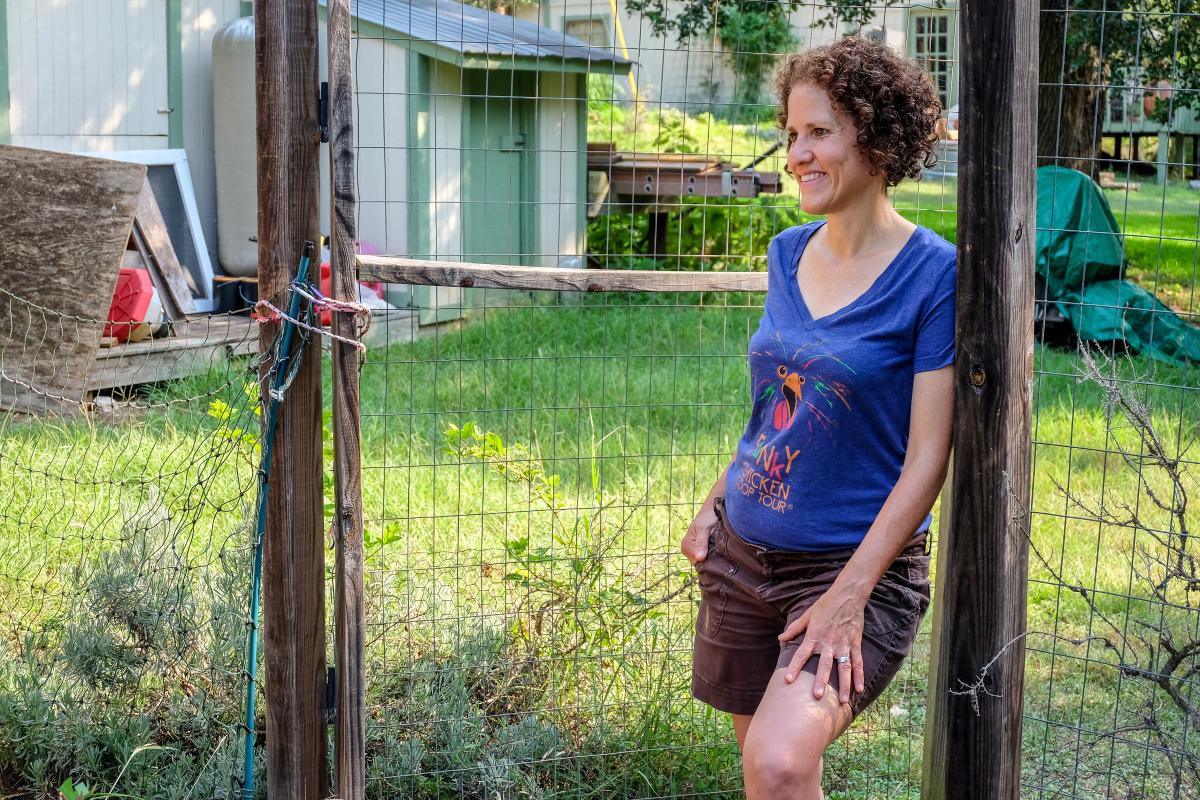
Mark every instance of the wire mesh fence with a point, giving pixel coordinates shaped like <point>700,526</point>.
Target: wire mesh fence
<point>530,618</point>
<point>532,456</point>
<point>127,529</point>
<point>528,421</point>
<point>1111,669</point>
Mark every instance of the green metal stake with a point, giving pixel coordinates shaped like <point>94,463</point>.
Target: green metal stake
<point>281,368</point>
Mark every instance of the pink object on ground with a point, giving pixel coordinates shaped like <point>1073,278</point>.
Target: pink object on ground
<point>363,248</point>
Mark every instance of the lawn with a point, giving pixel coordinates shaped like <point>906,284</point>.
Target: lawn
<point>529,617</point>
<point>665,385</point>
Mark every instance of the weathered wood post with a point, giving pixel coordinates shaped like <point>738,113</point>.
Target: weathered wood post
<point>973,741</point>
<point>288,133</point>
<point>350,753</point>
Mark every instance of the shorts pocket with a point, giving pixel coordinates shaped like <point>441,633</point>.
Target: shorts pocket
<point>714,579</point>
<point>896,602</point>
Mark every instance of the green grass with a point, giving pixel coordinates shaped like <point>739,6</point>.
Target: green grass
<point>551,376</point>
<point>524,647</point>
<point>482,681</point>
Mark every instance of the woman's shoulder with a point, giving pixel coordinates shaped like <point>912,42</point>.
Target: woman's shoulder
<point>797,231</point>
<point>785,241</point>
<point>933,250</point>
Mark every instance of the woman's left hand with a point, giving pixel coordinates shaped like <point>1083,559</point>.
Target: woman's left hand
<point>832,629</point>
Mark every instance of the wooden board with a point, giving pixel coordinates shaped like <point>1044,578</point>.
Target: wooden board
<point>973,743</point>
<point>180,286</point>
<point>294,619</point>
<point>392,269</point>
<point>66,220</point>
<point>210,341</point>
<point>350,756</point>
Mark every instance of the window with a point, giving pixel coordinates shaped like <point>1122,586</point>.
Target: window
<point>589,31</point>
<point>931,42</point>
<point>1126,102</point>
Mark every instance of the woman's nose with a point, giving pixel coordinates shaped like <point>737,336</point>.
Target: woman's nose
<point>799,152</point>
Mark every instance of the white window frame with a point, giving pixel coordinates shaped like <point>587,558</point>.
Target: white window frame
<point>917,13</point>
<point>603,19</point>
<point>178,161</point>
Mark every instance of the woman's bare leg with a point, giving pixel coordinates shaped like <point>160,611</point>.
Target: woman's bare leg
<point>784,745</point>
<point>741,724</point>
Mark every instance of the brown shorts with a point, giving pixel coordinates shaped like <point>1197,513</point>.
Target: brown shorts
<point>749,594</point>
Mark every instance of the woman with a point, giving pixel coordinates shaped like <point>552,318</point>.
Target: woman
<point>810,546</point>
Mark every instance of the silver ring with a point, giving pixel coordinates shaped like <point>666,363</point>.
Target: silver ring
<point>843,660</point>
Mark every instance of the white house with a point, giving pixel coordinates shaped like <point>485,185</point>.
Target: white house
<point>699,74</point>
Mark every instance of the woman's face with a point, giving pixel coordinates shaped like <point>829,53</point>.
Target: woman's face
<point>823,155</point>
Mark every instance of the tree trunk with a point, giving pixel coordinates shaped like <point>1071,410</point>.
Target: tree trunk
<point>1070,108</point>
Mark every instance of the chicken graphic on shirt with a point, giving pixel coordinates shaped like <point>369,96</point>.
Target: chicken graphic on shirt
<point>790,393</point>
<point>809,377</point>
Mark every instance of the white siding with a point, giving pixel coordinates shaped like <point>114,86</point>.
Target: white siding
<point>558,169</point>
<point>445,136</point>
<point>381,139</point>
<point>446,120</point>
<point>92,75</point>
<point>88,74</point>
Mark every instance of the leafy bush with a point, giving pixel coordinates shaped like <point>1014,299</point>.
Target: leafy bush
<point>140,680</point>
<point>702,235</point>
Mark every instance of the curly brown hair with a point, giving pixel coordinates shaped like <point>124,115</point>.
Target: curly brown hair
<point>889,99</point>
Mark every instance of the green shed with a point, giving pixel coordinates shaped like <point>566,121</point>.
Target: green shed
<point>472,137</point>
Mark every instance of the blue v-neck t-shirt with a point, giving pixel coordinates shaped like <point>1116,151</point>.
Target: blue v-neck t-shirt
<point>832,396</point>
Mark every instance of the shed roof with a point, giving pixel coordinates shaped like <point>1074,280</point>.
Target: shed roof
<point>476,38</point>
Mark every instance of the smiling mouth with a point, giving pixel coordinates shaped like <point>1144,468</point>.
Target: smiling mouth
<point>811,176</point>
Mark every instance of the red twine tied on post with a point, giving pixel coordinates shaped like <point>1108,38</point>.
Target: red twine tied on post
<point>264,312</point>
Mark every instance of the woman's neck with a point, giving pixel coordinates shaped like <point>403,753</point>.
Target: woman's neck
<point>870,225</point>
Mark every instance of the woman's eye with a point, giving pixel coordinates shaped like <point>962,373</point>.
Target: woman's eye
<point>820,132</point>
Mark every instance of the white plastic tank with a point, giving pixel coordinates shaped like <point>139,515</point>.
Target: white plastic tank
<point>235,147</point>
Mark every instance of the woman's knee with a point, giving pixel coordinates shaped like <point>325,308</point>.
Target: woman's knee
<point>774,771</point>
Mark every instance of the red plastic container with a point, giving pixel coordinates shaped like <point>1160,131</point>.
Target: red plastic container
<point>130,304</point>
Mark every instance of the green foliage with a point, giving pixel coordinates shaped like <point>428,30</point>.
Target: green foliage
<point>755,35</point>
<point>228,418</point>
<point>147,661</point>
<point>1147,41</point>
<point>688,18</point>
<point>132,622</point>
<point>675,134</point>
<point>603,89</point>
<point>228,427</point>
<point>501,6</point>
<point>705,234</point>
<point>481,720</point>
<point>514,462</point>
<point>575,596</point>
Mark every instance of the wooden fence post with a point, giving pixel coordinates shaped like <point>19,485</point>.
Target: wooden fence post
<point>973,740</point>
<point>288,134</point>
<point>350,753</point>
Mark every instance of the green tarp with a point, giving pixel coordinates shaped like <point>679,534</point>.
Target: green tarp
<point>1081,257</point>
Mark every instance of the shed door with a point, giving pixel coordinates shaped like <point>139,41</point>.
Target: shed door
<point>498,166</point>
<point>88,74</point>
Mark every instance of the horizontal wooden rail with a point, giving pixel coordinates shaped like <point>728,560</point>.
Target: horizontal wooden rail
<point>393,269</point>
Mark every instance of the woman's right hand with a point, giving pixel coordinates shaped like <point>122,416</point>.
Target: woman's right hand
<point>695,541</point>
